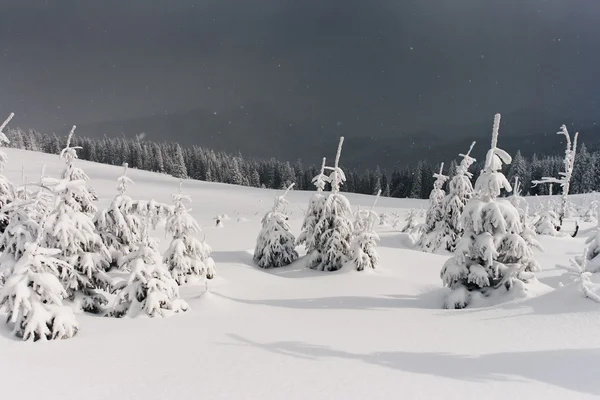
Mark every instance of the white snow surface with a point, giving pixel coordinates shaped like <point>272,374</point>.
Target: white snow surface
<point>293,333</point>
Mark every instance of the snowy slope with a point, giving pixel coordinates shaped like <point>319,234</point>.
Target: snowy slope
<point>293,333</point>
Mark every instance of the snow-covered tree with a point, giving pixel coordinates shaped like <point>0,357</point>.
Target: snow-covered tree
<point>309,238</point>
<point>580,271</point>
<point>593,251</point>
<point>565,177</point>
<point>118,225</point>
<point>335,224</point>
<point>70,229</point>
<point>460,191</point>
<point>547,222</point>
<point>32,295</point>
<point>85,198</point>
<point>150,288</point>
<point>491,255</point>
<point>7,191</point>
<point>412,221</point>
<point>433,236</point>
<point>187,257</point>
<point>276,244</point>
<point>179,169</point>
<point>363,246</point>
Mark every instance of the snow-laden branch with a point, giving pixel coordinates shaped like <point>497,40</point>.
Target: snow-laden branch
<point>3,138</point>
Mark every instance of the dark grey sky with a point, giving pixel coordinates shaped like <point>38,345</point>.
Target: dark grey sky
<point>434,61</point>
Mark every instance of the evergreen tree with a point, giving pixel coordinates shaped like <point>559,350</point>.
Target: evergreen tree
<point>150,288</point>
<point>433,236</point>
<point>416,187</point>
<point>7,191</point>
<point>492,255</point>
<point>275,246</point>
<point>187,257</point>
<point>460,191</point>
<point>309,237</point>
<point>179,169</point>
<point>334,226</point>
<point>118,226</point>
<point>363,246</point>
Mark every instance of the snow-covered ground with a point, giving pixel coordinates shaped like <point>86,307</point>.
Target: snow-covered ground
<point>294,333</point>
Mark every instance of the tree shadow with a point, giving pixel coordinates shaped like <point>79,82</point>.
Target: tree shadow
<point>428,300</point>
<point>553,367</point>
<point>233,257</point>
<point>396,241</point>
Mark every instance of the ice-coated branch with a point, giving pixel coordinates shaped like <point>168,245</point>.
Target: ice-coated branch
<point>123,180</point>
<point>339,152</point>
<point>280,201</point>
<point>337,177</point>
<point>376,199</point>
<point>495,131</point>
<point>321,180</point>
<point>71,135</point>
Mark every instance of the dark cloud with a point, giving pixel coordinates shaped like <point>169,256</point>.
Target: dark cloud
<point>430,61</point>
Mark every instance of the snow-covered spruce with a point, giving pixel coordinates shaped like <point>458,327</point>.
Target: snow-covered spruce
<point>150,288</point>
<point>579,270</point>
<point>187,257</point>
<point>491,255</point>
<point>592,254</point>
<point>547,222</point>
<point>335,224</point>
<point>276,244</point>
<point>86,197</point>
<point>309,237</point>
<point>433,235</point>
<point>363,247</point>
<point>565,177</point>
<point>460,191</point>
<point>32,295</point>
<point>70,229</point>
<point>7,191</point>
<point>118,225</point>
<point>22,228</point>
<point>411,221</point>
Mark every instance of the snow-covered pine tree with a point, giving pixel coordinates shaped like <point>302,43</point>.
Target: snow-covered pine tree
<point>7,191</point>
<point>460,191</point>
<point>150,288</point>
<point>276,244</point>
<point>118,225</point>
<point>433,236</point>
<point>84,198</point>
<point>71,230</point>
<point>492,255</point>
<point>363,246</point>
<point>32,295</point>
<point>412,221</point>
<point>593,251</point>
<point>335,225</point>
<point>547,221</point>
<point>309,237</point>
<point>565,177</point>
<point>187,257</point>
<point>580,270</point>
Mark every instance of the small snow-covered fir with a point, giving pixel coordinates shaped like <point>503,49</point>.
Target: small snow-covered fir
<point>118,225</point>
<point>32,294</point>
<point>434,234</point>
<point>335,225</point>
<point>276,244</point>
<point>150,288</point>
<point>7,191</point>
<point>491,255</point>
<point>460,191</point>
<point>187,257</point>
<point>363,247</point>
<point>580,272</point>
<point>309,237</point>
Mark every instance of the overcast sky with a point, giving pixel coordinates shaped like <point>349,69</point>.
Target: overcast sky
<point>435,61</point>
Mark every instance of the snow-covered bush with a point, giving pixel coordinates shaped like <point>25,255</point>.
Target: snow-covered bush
<point>335,224</point>
<point>150,288</point>
<point>187,257</point>
<point>433,235</point>
<point>118,225</point>
<point>276,244</point>
<point>32,295</point>
<point>412,221</point>
<point>491,255</point>
<point>460,191</point>
<point>363,247</point>
<point>309,237</point>
<point>579,270</point>
<point>592,254</point>
<point>547,222</point>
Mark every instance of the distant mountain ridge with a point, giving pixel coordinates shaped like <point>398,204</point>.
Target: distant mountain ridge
<point>262,131</point>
